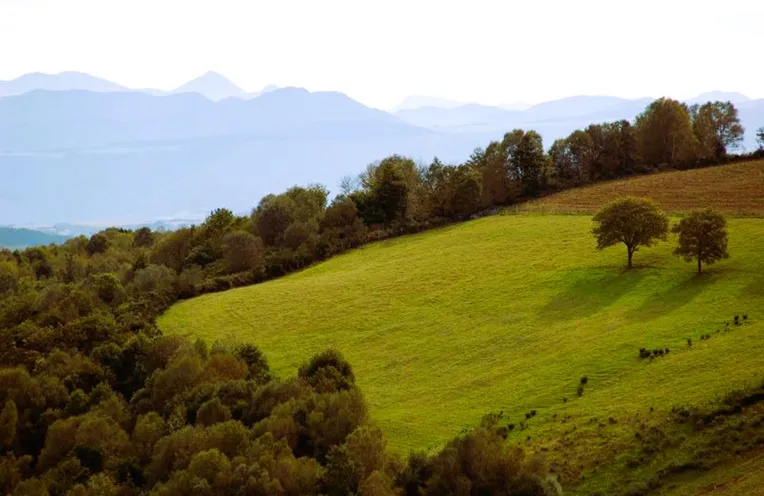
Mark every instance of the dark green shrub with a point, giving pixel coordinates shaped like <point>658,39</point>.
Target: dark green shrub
<point>328,371</point>
<point>584,380</point>
<point>580,391</point>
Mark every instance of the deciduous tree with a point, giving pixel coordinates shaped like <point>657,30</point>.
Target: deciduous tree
<point>242,251</point>
<point>635,222</point>
<point>717,128</point>
<point>702,237</point>
<point>664,133</point>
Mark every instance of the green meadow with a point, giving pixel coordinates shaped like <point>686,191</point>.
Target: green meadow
<point>506,313</point>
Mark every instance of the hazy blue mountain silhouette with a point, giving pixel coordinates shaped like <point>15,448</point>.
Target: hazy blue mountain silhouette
<point>720,96</point>
<point>129,157</point>
<point>213,86</point>
<point>44,120</point>
<point>418,101</point>
<point>64,81</point>
<point>267,89</point>
<point>13,238</point>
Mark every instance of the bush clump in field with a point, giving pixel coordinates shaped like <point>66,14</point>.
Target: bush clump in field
<point>328,371</point>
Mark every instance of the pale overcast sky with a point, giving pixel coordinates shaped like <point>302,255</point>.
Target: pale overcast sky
<point>383,50</point>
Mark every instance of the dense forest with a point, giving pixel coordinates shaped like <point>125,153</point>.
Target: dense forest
<point>94,400</point>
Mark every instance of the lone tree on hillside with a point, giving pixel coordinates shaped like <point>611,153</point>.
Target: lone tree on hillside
<point>760,138</point>
<point>702,236</point>
<point>632,221</point>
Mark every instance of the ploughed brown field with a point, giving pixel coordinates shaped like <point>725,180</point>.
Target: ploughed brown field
<point>736,189</point>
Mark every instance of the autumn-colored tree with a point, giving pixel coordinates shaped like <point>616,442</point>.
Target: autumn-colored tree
<point>494,169</point>
<point>664,133</point>
<point>390,192</point>
<point>529,163</point>
<point>717,128</point>
<point>8,419</point>
<point>173,248</point>
<point>242,251</point>
<point>635,222</point>
<point>98,243</point>
<point>143,237</point>
<point>702,237</point>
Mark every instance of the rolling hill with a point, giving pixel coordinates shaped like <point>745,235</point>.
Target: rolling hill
<point>507,313</point>
<point>14,238</point>
<point>65,81</point>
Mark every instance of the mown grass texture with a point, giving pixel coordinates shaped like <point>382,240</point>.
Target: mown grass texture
<point>507,314</point>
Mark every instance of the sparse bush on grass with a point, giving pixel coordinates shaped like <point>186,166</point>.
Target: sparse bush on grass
<point>580,391</point>
<point>584,380</point>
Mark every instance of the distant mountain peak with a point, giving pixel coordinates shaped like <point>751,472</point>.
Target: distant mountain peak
<point>213,86</point>
<point>62,81</point>
<point>722,96</point>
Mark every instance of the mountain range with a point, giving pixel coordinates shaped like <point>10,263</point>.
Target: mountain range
<point>82,150</point>
<point>211,85</point>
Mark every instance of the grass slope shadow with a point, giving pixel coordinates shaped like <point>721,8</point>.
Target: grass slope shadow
<point>674,298</point>
<point>591,291</point>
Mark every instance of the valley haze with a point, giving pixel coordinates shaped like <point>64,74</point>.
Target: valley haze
<point>209,143</point>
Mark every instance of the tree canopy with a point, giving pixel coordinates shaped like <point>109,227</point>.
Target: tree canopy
<point>702,237</point>
<point>635,222</point>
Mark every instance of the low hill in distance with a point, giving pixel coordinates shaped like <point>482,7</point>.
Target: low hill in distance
<point>736,189</point>
<point>13,238</point>
<point>64,81</point>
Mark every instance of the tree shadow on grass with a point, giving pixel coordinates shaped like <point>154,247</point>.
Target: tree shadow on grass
<point>590,293</point>
<point>755,287</point>
<point>674,298</point>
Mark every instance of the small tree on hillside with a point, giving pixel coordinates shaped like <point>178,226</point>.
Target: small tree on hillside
<point>760,138</point>
<point>632,221</point>
<point>703,237</point>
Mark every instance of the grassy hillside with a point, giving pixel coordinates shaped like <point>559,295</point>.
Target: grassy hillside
<point>734,189</point>
<point>506,313</point>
